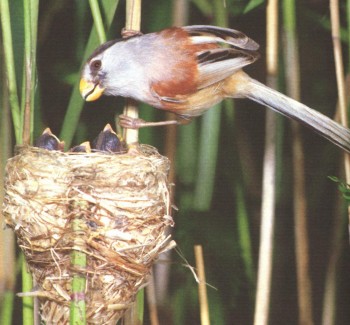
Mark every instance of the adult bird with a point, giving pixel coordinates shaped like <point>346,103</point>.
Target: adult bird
<point>187,70</point>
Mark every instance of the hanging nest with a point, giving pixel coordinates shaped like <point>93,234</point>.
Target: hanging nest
<point>113,208</point>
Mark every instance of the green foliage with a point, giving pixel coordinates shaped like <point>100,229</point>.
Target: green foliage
<point>252,4</point>
<point>343,188</point>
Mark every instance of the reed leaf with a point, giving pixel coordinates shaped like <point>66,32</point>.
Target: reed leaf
<point>76,103</point>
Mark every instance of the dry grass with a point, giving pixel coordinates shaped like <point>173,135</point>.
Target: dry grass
<point>123,208</point>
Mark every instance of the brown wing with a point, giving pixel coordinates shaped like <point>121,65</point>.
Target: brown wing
<point>180,70</point>
<point>217,64</point>
<point>200,58</point>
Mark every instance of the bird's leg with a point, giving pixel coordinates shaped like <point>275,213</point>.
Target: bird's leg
<point>137,123</point>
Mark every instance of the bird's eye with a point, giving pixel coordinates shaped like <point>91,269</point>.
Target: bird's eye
<point>96,65</point>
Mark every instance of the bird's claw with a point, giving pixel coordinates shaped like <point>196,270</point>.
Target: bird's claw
<point>128,122</point>
<point>126,33</point>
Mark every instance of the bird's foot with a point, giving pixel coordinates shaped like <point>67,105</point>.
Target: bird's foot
<point>130,32</point>
<point>128,122</point>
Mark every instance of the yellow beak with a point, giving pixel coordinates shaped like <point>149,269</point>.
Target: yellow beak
<point>89,90</point>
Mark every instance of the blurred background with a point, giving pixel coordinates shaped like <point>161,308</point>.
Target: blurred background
<point>217,159</point>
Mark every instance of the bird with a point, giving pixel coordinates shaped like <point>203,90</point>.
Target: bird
<point>49,141</point>
<point>84,147</point>
<point>108,141</point>
<point>187,70</point>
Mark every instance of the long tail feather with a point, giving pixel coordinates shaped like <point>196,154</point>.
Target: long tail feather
<point>318,122</point>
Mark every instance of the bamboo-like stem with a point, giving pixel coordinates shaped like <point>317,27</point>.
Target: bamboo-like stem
<point>180,12</point>
<point>329,303</point>
<point>299,195</point>
<point>331,277</point>
<point>30,16</point>
<point>272,38</point>
<point>30,31</point>
<point>206,167</point>
<point>262,302</point>
<point>339,69</point>
<point>7,307</point>
<point>78,262</point>
<point>336,247</point>
<point>301,231</point>
<point>244,235</point>
<point>28,70</point>
<point>202,285</point>
<point>348,33</point>
<point>7,238</point>
<point>134,315</point>
<point>28,304</point>
<point>152,301</point>
<point>133,23</point>
<point>10,68</point>
<point>209,137</point>
<point>96,14</point>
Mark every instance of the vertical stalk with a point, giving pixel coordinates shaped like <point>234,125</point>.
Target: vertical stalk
<point>244,233</point>
<point>134,316</point>
<point>152,298</point>
<point>27,84</point>
<point>78,263</point>
<point>7,238</point>
<point>96,14</point>
<point>262,303</point>
<point>209,137</point>
<point>28,304</point>
<point>202,285</point>
<point>30,14</point>
<point>329,299</point>
<point>339,69</point>
<point>10,69</point>
<point>348,30</point>
<point>133,23</point>
<point>299,195</point>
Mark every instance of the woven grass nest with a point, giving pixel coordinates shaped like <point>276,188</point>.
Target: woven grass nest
<point>114,208</point>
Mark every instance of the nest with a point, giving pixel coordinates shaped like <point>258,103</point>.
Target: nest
<point>114,209</point>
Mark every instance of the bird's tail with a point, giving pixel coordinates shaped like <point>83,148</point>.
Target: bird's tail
<point>318,122</point>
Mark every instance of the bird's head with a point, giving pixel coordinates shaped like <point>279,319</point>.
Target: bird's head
<point>95,74</point>
<point>91,82</point>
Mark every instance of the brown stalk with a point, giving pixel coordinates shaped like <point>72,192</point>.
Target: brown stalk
<point>202,286</point>
<point>299,194</point>
<point>132,23</point>
<point>262,303</point>
<point>329,305</point>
